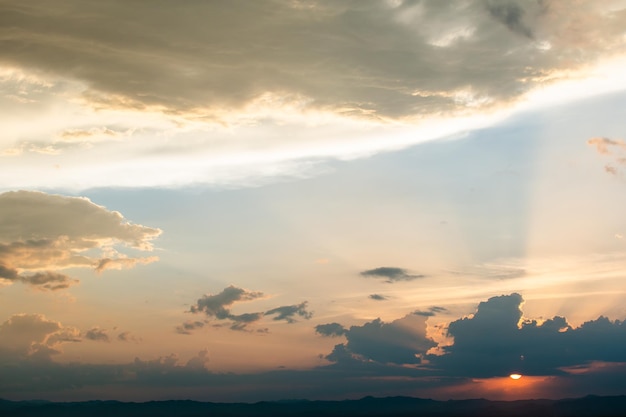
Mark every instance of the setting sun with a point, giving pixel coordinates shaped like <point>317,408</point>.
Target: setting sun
<point>515,376</point>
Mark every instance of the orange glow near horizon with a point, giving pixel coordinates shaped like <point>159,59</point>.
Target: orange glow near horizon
<point>502,389</point>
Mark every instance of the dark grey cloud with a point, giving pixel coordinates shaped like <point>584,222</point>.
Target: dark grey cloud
<point>97,335</point>
<point>330,329</point>
<point>288,313</point>
<point>493,342</point>
<point>241,321</point>
<point>510,14</point>
<point>391,274</point>
<point>218,306</point>
<point>377,297</point>
<point>402,341</point>
<point>362,58</point>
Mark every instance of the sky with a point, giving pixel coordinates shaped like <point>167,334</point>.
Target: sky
<point>263,200</point>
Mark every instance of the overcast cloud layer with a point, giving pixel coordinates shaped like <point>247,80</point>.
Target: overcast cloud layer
<point>237,92</point>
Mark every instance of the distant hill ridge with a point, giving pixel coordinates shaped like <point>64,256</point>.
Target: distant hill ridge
<point>591,406</point>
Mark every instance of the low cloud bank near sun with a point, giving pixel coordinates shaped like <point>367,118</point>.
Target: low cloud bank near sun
<point>377,357</point>
<point>493,342</point>
<point>42,234</point>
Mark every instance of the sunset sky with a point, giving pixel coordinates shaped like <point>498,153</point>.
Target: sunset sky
<point>261,200</point>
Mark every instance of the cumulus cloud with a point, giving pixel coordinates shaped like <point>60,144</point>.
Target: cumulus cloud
<point>41,234</point>
<point>33,337</point>
<point>495,341</point>
<point>218,306</point>
<point>391,274</point>
<point>199,361</point>
<point>402,341</point>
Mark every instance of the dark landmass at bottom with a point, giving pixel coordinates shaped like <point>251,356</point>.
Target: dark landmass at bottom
<point>369,406</point>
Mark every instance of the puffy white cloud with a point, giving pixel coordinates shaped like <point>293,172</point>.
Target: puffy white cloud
<point>33,337</point>
<point>41,234</point>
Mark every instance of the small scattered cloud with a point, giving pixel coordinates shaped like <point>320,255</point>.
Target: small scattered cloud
<point>606,146</point>
<point>97,334</point>
<point>377,297</point>
<point>127,337</point>
<point>188,326</point>
<point>91,133</point>
<point>123,263</point>
<point>48,280</point>
<point>218,306</point>
<point>391,274</point>
<point>612,148</point>
<point>330,329</point>
<point>288,313</point>
<point>430,312</point>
